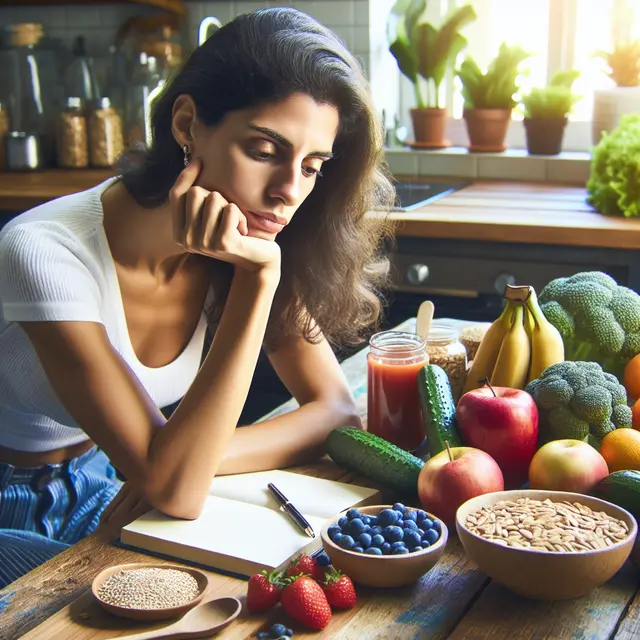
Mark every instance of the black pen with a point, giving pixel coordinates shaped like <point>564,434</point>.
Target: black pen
<point>290,510</point>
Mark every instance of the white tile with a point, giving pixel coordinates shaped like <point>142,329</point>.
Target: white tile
<point>247,7</point>
<point>347,35</point>
<point>331,13</point>
<point>361,10</point>
<point>567,171</point>
<point>361,43</point>
<point>402,162</point>
<point>507,167</point>
<point>453,163</point>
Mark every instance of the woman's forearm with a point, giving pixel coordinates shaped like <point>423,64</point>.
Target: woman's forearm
<point>287,440</point>
<point>185,454</point>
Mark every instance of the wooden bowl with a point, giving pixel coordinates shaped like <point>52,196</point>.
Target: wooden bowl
<point>546,575</point>
<point>383,571</point>
<point>148,614</point>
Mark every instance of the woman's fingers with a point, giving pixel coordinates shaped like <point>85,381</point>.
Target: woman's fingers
<point>211,217</point>
<point>125,490</point>
<point>178,194</point>
<point>193,208</point>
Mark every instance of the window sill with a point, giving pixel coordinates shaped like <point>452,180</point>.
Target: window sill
<point>569,167</point>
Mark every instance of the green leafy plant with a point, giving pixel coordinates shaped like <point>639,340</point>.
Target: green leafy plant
<point>624,63</point>
<point>614,180</point>
<point>556,100</point>
<point>496,88</point>
<point>421,50</point>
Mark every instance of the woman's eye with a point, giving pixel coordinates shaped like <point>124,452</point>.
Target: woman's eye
<point>261,155</point>
<point>311,171</point>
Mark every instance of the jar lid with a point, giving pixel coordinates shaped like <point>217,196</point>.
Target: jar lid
<point>442,332</point>
<point>103,103</point>
<point>74,102</point>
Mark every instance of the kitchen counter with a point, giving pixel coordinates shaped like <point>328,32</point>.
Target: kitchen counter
<point>496,211</point>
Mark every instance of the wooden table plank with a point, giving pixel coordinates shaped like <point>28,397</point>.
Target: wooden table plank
<point>629,628</point>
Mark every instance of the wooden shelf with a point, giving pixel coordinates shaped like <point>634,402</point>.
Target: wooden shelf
<point>174,6</point>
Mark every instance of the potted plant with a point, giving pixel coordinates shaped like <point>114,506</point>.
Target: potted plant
<point>489,97</point>
<point>424,54</point>
<point>614,181</point>
<point>546,111</point>
<point>610,104</point>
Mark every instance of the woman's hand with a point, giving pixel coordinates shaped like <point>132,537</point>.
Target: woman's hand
<point>127,506</point>
<point>205,223</point>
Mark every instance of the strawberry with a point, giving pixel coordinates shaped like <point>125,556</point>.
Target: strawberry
<point>339,589</point>
<point>307,565</point>
<point>304,600</point>
<point>264,591</point>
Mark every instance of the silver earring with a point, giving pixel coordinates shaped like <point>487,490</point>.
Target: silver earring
<point>187,155</point>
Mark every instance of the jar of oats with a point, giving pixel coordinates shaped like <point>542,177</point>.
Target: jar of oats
<point>445,349</point>
<point>106,140</point>
<point>4,129</point>
<point>73,148</point>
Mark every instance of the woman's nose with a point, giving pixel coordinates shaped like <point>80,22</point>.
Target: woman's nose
<point>286,186</point>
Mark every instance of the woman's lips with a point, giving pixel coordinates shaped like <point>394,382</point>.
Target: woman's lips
<point>256,220</point>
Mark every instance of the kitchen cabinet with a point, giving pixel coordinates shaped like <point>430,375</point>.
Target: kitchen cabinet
<point>174,6</point>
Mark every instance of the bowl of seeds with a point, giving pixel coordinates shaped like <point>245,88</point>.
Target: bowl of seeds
<point>142,591</point>
<point>548,545</point>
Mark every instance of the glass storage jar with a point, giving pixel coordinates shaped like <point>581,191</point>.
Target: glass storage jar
<point>393,404</point>
<point>445,349</point>
<point>73,148</point>
<point>106,141</point>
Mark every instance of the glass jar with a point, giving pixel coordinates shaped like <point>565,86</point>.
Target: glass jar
<point>73,150</point>
<point>106,141</point>
<point>4,129</point>
<point>393,404</point>
<point>446,350</point>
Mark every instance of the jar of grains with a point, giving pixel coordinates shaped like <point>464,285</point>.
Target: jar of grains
<point>106,142</point>
<point>4,128</point>
<point>445,349</point>
<point>73,149</point>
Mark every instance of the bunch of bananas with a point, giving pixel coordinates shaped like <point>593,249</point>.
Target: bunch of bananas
<point>518,346</point>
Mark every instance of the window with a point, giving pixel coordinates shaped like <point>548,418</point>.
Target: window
<point>560,34</point>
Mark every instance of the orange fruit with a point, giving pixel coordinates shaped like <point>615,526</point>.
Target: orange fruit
<point>635,415</point>
<point>631,378</point>
<point>621,449</point>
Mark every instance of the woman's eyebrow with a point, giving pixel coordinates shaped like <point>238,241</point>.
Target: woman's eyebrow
<point>327,155</point>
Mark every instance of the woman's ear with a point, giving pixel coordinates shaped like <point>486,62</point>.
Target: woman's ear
<point>183,119</point>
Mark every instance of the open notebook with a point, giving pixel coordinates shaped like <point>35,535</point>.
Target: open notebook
<point>241,529</point>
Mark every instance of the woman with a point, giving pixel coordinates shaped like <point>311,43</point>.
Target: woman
<point>246,214</point>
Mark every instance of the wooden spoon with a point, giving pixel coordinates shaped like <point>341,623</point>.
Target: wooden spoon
<point>424,318</point>
<point>202,621</point>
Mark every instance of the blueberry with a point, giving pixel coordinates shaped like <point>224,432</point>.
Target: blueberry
<point>410,524</point>
<point>346,542</point>
<point>365,540</point>
<point>343,521</point>
<point>424,544</point>
<point>421,514</point>
<point>367,528</point>
<point>357,549</point>
<point>338,537</point>
<point>353,513</point>
<point>323,560</point>
<point>393,533</point>
<point>373,551</point>
<point>263,635</point>
<point>398,506</point>
<point>377,541</point>
<point>373,520</point>
<point>436,526</point>
<point>417,548</point>
<point>397,545</point>
<point>411,515</point>
<point>332,530</point>
<point>278,630</point>
<point>431,536</point>
<point>387,517</point>
<point>366,519</point>
<point>399,516</point>
<point>400,550</point>
<point>289,632</point>
<point>386,549</point>
<point>412,539</point>
<point>374,531</point>
<point>427,523</point>
<point>356,527</point>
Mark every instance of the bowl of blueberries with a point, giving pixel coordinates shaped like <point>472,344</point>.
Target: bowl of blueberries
<point>384,545</point>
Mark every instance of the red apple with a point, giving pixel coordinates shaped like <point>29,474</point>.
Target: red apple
<point>567,465</point>
<point>447,481</point>
<point>504,423</point>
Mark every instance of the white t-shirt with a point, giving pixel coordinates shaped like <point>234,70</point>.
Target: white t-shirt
<point>56,265</point>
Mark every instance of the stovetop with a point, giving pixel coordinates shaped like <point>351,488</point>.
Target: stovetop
<point>412,195</point>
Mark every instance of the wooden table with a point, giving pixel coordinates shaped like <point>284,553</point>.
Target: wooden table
<point>454,600</point>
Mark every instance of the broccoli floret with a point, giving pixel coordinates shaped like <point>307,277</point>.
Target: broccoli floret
<point>598,319</point>
<point>575,399</point>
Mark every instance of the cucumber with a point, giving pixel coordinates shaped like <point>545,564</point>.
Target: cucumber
<point>375,458</point>
<point>623,489</point>
<point>438,409</point>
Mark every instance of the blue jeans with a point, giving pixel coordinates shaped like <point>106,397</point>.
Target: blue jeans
<point>44,510</point>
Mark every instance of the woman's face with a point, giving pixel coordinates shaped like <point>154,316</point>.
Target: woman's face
<point>267,159</point>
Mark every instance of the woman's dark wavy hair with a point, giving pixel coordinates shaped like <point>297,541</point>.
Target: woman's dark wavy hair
<point>333,265</point>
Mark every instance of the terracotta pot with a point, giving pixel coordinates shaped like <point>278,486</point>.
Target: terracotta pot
<point>487,128</point>
<point>429,127</point>
<point>544,135</point>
